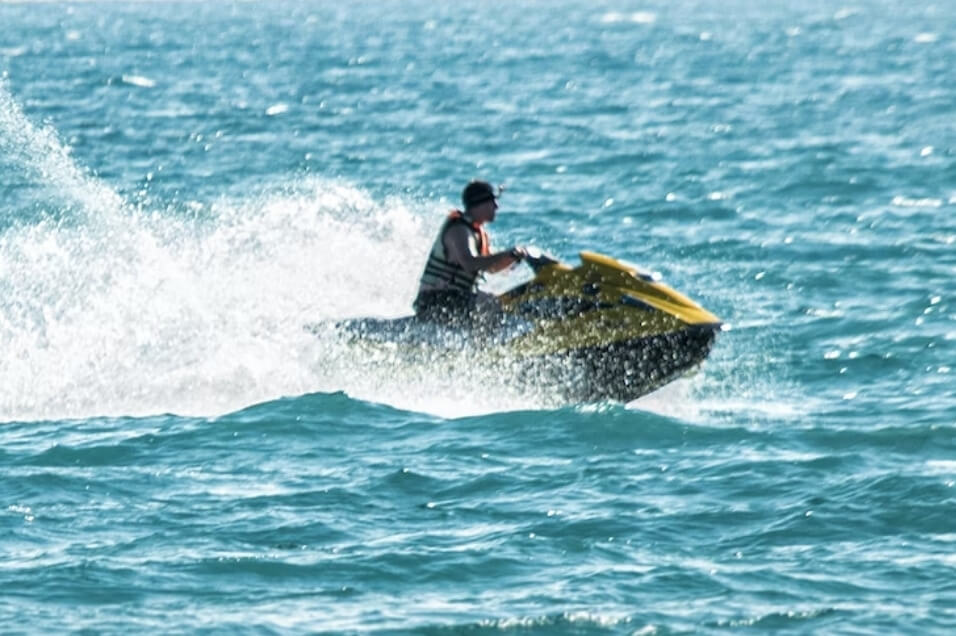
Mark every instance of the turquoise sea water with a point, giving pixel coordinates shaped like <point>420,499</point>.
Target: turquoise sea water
<point>183,186</point>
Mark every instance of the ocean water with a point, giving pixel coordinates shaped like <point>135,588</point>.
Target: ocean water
<point>184,186</point>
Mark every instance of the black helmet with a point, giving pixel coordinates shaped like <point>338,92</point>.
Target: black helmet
<point>477,192</point>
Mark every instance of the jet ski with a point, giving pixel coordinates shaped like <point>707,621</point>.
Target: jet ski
<point>602,330</point>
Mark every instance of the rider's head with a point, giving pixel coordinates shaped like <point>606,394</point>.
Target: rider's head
<point>479,200</point>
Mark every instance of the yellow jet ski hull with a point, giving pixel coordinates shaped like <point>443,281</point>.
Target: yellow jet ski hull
<point>605,330</point>
<point>600,331</point>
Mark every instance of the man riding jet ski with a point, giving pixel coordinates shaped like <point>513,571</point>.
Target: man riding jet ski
<point>448,290</point>
<point>601,330</point>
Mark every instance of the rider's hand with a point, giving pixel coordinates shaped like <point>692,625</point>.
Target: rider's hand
<point>519,253</point>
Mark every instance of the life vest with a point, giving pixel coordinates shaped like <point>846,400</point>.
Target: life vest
<point>441,273</point>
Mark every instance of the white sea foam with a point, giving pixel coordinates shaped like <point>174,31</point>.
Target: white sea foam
<point>925,202</point>
<point>115,310</point>
<point>141,313</point>
<point>13,51</point>
<point>941,467</point>
<point>637,17</point>
<point>846,13</point>
<point>38,153</point>
<point>138,80</point>
<point>672,400</point>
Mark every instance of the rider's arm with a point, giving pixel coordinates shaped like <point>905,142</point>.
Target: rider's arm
<point>462,248</point>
